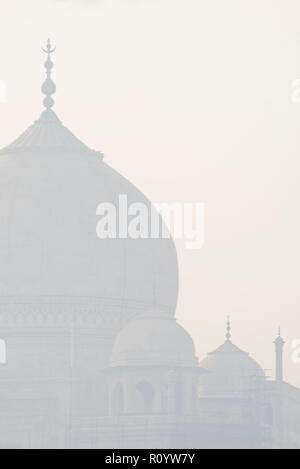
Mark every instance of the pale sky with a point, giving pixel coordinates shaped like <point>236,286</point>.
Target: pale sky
<point>191,101</point>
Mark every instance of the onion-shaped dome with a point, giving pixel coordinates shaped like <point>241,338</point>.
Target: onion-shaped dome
<point>50,186</point>
<point>229,370</point>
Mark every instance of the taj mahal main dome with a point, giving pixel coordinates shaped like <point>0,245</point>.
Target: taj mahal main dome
<point>65,292</point>
<point>50,186</point>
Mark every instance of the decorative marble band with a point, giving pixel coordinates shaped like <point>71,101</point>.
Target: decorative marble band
<point>62,311</point>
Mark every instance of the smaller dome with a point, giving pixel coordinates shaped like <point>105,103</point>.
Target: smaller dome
<point>229,369</point>
<point>153,339</point>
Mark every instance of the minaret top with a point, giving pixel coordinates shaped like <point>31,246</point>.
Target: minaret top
<point>48,87</point>
<point>228,329</point>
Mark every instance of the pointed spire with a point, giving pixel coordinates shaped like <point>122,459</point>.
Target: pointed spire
<point>279,343</point>
<point>154,296</point>
<point>228,329</point>
<point>279,339</point>
<point>48,87</point>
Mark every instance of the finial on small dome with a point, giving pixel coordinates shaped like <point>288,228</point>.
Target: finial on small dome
<point>279,344</point>
<point>228,329</point>
<point>48,87</point>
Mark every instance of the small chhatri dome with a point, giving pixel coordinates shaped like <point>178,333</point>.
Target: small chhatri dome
<point>229,368</point>
<point>153,339</point>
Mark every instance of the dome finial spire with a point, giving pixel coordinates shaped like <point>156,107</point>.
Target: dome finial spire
<point>228,329</point>
<point>48,87</point>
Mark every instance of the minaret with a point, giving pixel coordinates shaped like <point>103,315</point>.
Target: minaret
<point>279,343</point>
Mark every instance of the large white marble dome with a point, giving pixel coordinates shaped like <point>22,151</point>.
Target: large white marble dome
<point>50,186</point>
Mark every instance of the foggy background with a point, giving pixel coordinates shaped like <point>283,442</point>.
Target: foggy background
<point>191,101</point>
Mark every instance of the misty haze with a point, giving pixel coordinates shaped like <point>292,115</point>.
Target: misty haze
<point>112,334</point>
